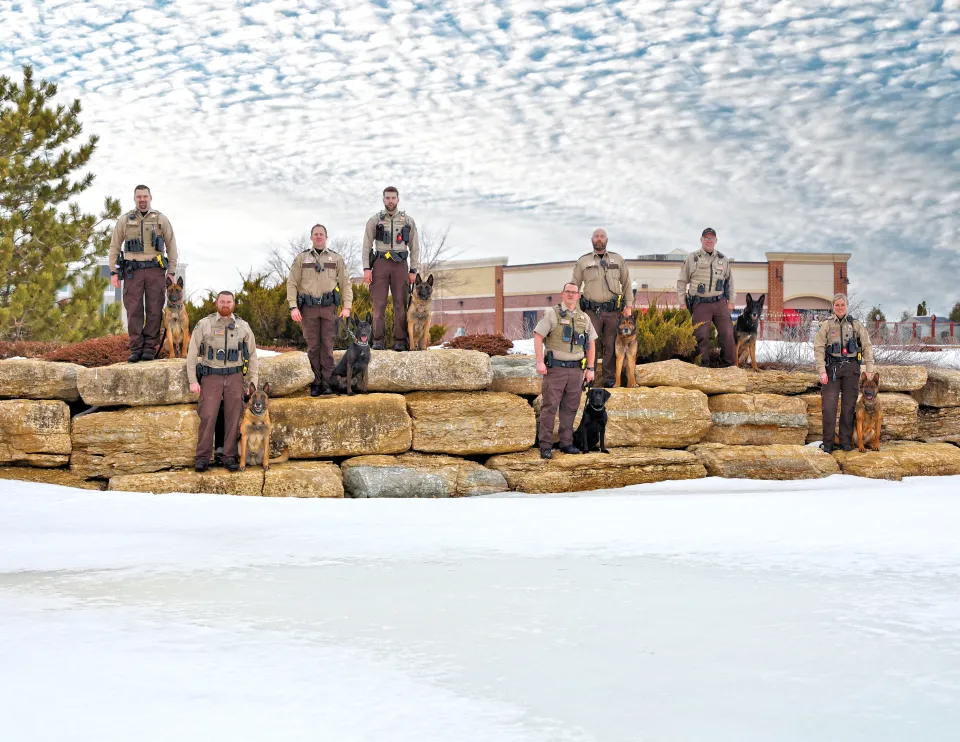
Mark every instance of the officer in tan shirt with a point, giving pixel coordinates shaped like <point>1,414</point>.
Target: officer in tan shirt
<point>222,351</point>
<point>318,291</point>
<point>605,279</point>
<point>149,253</point>
<point>706,287</point>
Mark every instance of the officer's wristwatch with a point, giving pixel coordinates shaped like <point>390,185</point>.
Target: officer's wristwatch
<point>590,368</point>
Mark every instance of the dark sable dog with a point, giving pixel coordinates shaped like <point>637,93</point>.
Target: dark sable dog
<point>746,331</point>
<point>593,424</point>
<point>176,324</point>
<point>869,412</point>
<point>419,313</point>
<point>352,368</point>
<point>255,429</point>
<point>626,349</point>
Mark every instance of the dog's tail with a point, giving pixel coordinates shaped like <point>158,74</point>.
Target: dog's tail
<point>283,457</point>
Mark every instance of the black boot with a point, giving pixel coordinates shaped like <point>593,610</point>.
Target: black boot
<point>546,453</point>
<point>325,388</point>
<point>201,465</point>
<point>570,449</point>
<point>148,354</point>
<point>400,346</point>
<point>826,447</point>
<point>608,383</point>
<point>314,390</point>
<point>231,463</point>
<point>135,356</point>
<point>377,345</point>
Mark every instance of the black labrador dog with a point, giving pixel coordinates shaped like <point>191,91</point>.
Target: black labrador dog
<point>352,368</point>
<point>593,423</point>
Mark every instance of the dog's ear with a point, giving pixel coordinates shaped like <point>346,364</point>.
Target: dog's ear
<point>863,377</point>
<point>251,389</point>
<point>418,280</point>
<point>876,378</point>
<point>180,282</point>
<point>266,389</point>
<point>430,280</point>
<point>605,394</point>
<point>369,319</point>
<point>749,299</point>
<point>760,300</point>
<point>169,280</point>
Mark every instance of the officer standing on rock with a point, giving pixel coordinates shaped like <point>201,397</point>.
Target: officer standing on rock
<point>706,287</point>
<point>570,342</point>
<point>605,278</point>
<point>390,240</point>
<point>222,352</point>
<point>840,346</point>
<point>143,250</point>
<point>319,290</point>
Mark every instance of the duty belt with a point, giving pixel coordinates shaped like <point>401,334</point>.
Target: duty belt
<point>211,371</point>
<point>607,306</point>
<point>705,299</point>
<point>397,256</point>
<point>565,364</point>
<point>306,300</point>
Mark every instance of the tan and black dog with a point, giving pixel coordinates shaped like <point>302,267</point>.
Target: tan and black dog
<point>746,331</point>
<point>255,429</point>
<point>420,313</point>
<point>869,412</point>
<point>176,324</point>
<point>626,349</point>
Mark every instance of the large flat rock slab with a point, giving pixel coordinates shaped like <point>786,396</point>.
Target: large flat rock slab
<point>516,374</point>
<point>135,440</point>
<point>662,417</point>
<point>941,390</point>
<point>757,420</point>
<point>527,472</point>
<point>303,479</point>
<point>215,481</point>
<point>900,417</point>
<point>938,422</point>
<point>777,462</point>
<point>419,475</point>
<point>427,370</point>
<point>62,477</point>
<point>902,378</point>
<point>471,423</point>
<point>34,432</point>
<point>898,460</point>
<point>724,380</point>
<point>328,427</point>
<point>144,384</point>
<point>287,373</point>
<point>32,378</point>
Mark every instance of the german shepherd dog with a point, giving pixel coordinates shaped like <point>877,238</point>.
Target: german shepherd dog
<point>419,313</point>
<point>626,349</point>
<point>869,412</point>
<point>255,429</point>
<point>352,368</point>
<point>592,429</point>
<point>176,324</point>
<point>746,331</point>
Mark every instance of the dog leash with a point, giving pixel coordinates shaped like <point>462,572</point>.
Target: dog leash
<point>341,325</point>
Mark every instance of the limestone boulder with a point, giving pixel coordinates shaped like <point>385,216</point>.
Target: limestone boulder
<point>662,417</point>
<point>419,475</point>
<point>757,420</point>
<point>135,440</point>
<point>941,390</point>
<point>779,462</point>
<point>902,378</point>
<point>427,370</point>
<point>470,423</point>
<point>898,460</point>
<point>162,382</point>
<point>327,427</point>
<point>515,374</point>
<point>303,479</point>
<point>32,378</point>
<point>527,472</point>
<point>287,373</point>
<point>62,477</point>
<point>212,482</point>
<point>900,417</point>
<point>34,432</point>
<point>724,380</point>
<point>938,422</point>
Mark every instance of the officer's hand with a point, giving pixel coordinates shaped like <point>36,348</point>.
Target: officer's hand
<point>412,276</point>
<point>295,315</point>
<point>541,368</point>
<point>345,313</point>
<point>195,387</point>
<point>115,280</point>
<point>367,276</point>
<point>627,311</point>
<point>589,376</point>
<point>824,379</point>
<point>732,306</point>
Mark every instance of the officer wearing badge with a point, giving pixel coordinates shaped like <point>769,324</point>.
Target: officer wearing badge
<point>222,352</point>
<point>706,287</point>
<point>143,251</point>
<point>391,258</point>
<point>318,291</point>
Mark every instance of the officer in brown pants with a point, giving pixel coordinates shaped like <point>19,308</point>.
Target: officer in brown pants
<point>222,351</point>
<point>605,279</point>
<point>839,347</point>
<point>143,250</point>
<point>706,287</point>
<point>390,240</point>
<point>318,291</point>
<point>568,336</point>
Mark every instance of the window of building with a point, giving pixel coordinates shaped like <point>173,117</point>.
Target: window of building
<point>529,322</point>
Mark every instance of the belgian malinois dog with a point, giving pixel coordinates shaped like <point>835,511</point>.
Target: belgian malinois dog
<point>746,331</point>
<point>176,324</point>
<point>255,428</point>
<point>419,313</point>
<point>352,368</point>
<point>869,412</point>
<point>626,349</point>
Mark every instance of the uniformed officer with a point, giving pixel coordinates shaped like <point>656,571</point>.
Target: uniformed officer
<point>318,290</point>
<point>605,279</point>
<point>222,352</point>
<point>569,338</point>
<point>840,346</point>
<point>389,241</point>
<point>706,287</point>
<point>142,251</point>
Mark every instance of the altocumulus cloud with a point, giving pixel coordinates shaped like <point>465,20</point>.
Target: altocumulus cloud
<point>786,125</point>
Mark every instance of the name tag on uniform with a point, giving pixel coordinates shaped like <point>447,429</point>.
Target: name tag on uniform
<point>308,264</point>
<point>329,266</point>
<point>218,331</point>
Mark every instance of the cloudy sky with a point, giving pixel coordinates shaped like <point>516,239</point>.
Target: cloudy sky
<point>523,125</point>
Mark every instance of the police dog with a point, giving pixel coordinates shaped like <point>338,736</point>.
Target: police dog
<point>869,412</point>
<point>176,324</point>
<point>352,368</point>
<point>255,429</point>
<point>419,313</point>
<point>626,349</point>
<point>592,429</point>
<point>746,331</point>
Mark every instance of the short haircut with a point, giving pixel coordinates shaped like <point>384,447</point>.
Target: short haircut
<point>318,225</point>
<point>840,296</point>
<point>570,283</point>
<point>391,189</point>
<point>227,293</point>
<point>142,187</point>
